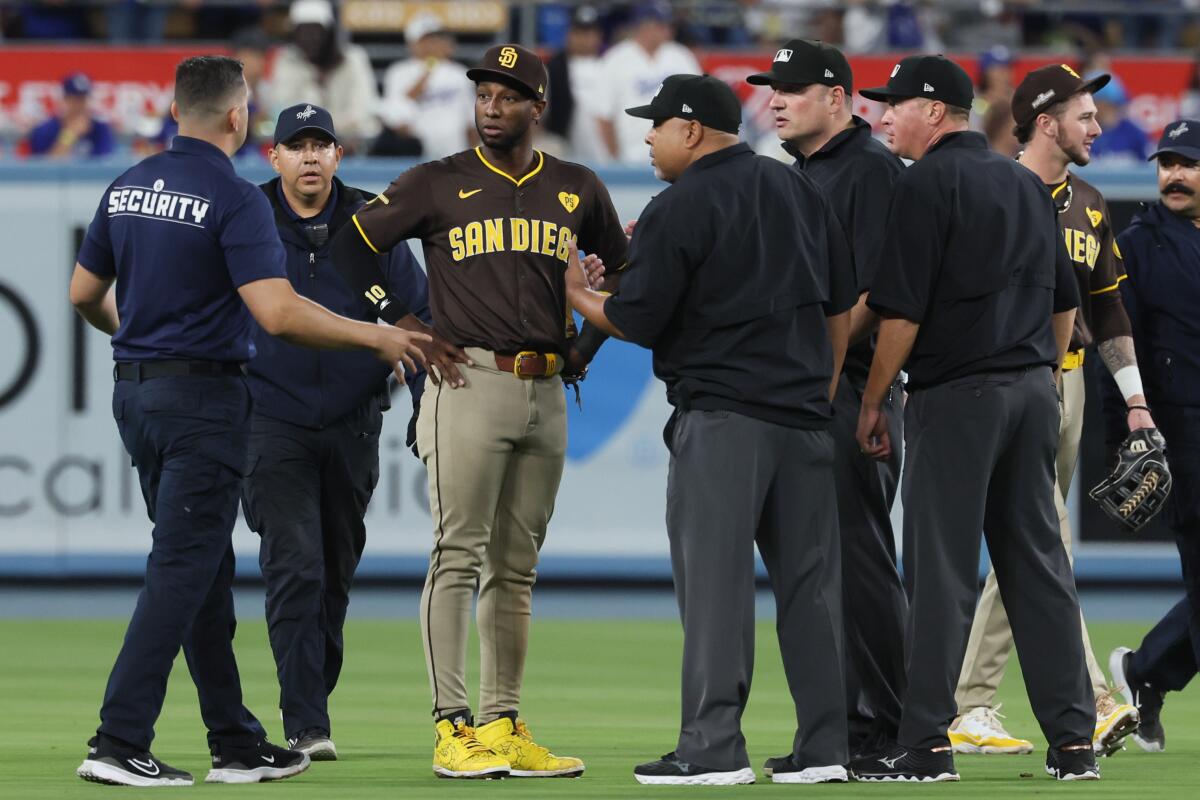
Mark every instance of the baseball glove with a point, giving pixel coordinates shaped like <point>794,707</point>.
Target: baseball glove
<point>1139,483</point>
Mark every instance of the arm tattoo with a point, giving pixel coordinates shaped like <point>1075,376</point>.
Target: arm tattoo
<point>1118,353</point>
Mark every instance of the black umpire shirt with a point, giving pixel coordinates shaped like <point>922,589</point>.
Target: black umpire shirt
<point>733,269</point>
<point>972,252</point>
<point>857,173</point>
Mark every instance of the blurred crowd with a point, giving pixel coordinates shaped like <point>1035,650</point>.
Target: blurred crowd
<point>601,59</point>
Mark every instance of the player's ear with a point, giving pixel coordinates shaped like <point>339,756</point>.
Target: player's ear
<point>539,108</point>
<point>175,111</point>
<point>273,157</point>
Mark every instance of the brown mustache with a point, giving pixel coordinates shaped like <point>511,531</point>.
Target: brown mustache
<point>1177,187</point>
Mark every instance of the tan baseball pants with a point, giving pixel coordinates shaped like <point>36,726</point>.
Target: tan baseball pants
<point>494,450</point>
<point>991,638</point>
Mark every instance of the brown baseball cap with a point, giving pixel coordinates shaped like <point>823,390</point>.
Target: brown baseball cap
<point>514,65</point>
<point>1045,86</point>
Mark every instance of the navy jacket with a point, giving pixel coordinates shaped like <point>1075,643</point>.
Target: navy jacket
<point>315,388</point>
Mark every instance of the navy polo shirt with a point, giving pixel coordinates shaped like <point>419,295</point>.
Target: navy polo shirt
<point>181,232</point>
<point>732,272</point>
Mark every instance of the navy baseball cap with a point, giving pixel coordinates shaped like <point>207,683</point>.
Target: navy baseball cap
<point>931,77</point>
<point>807,61</point>
<point>303,117</point>
<point>77,84</point>
<point>702,98</point>
<point>1181,137</point>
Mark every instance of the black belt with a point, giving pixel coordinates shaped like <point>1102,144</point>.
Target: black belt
<point>144,370</point>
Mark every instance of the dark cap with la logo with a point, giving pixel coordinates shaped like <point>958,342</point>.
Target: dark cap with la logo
<point>806,61</point>
<point>1181,137</point>
<point>931,77</point>
<point>303,117</point>
<point>701,98</point>
<point>513,65</point>
<point>1045,86</point>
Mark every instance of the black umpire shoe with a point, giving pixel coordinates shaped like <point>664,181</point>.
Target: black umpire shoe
<point>1075,763</point>
<point>899,763</point>
<point>261,762</point>
<point>671,770</point>
<point>1149,735</point>
<point>315,743</point>
<point>787,769</point>
<point>114,762</point>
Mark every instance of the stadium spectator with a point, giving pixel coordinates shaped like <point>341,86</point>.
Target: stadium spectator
<point>633,71</point>
<point>1122,139</point>
<point>428,102</point>
<point>136,20</point>
<point>991,112</point>
<point>576,76</point>
<point>73,131</point>
<point>320,67</point>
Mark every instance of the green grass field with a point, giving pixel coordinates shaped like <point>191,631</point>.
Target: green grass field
<point>605,691</point>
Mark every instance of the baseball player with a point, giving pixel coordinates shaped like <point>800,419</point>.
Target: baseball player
<point>1056,124</point>
<point>495,223</point>
<point>190,247</point>
<point>811,90</point>
<point>978,299</point>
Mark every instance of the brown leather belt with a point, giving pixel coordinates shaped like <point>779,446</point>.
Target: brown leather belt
<point>528,364</point>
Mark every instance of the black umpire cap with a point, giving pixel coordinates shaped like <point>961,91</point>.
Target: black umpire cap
<point>303,117</point>
<point>806,61</point>
<point>931,77</point>
<point>513,65</point>
<point>1181,137</point>
<point>1045,86</point>
<point>702,98</point>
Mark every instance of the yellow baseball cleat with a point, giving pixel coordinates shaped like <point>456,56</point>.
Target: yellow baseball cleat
<point>526,758</point>
<point>980,731</point>
<point>459,754</point>
<point>1114,721</point>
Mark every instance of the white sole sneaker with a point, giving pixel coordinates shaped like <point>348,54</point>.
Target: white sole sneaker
<point>832,774</point>
<point>1116,668</point>
<point>320,750</point>
<point>939,778</point>
<point>256,775</point>
<point>543,773</point>
<point>102,772</point>
<point>483,774</point>
<point>1083,776</point>
<point>741,776</point>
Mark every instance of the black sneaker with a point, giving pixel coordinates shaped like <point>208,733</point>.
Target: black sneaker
<point>315,743</point>
<point>1149,735</point>
<point>1073,764</point>
<point>262,762</point>
<point>899,763</point>
<point>671,770</point>
<point>787,770</point>
<point>119,764</point>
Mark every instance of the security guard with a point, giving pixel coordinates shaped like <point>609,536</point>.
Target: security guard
<point>811,92</point>
<point>978,299</point>
<point>314,441</point>
<point>190,247</point>
<point>743,293</point>
<point>495,223</point>
<point>1056,124</point>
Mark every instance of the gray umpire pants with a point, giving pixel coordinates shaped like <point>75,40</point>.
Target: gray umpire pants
<point>979,456</point>
<point>734,481</point>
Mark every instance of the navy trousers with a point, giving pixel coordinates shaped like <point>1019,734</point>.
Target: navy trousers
<point>306,495</point>
<point>187,437</point>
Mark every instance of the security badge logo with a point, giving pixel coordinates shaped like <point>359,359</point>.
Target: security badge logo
<point>508,57</point>
<point>1180,131</point>
<point>784,55</point>
<point>569,201</point>
<point>306,113</point>
<point>1095,217</point>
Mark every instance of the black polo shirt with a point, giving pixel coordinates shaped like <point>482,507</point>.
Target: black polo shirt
<point>973,253</point>
<point>857,173</point>
<point>733,270</point>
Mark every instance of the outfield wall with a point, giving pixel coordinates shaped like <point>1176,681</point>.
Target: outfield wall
<point>69,501</point>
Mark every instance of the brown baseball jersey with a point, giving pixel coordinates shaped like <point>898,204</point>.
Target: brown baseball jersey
<point>496,244</point>
<point>1092,247</point>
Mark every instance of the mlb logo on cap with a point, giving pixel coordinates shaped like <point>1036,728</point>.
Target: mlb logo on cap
<point>784,55</point>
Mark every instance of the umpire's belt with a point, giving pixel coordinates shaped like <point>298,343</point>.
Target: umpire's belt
<point>1073,360</point>
<point>145,370</point>
<point>529,364</point>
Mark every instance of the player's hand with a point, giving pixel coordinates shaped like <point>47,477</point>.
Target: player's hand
<point>576,367</point>
<point>1139,418</point>
<point>399,347</point>
<point>441,355</point>
<point>872,434</point>
<point>576,275</point>
<point>629,226</point>
<point>594,268</point>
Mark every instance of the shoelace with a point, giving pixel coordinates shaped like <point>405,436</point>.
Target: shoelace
<point>991,716</point>
<point>521,730</point>
<point>1105,704</point>
<point>467,734</point>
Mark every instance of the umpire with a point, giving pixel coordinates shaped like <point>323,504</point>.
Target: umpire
<point>743,295</point>
<point>978,300</point>
<point>811,90</point>
<point>190,246</point>
<point>314,441</point>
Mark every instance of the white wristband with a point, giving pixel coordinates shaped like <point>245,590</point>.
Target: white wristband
<point>1129,381</point>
